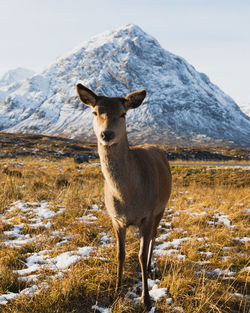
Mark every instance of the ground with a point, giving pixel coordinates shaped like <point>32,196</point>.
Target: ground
<point>57,248</point>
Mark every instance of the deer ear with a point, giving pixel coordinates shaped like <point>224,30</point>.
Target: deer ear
<point>87,96</point>
<point>134,99</point>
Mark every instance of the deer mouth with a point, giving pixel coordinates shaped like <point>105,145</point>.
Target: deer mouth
<point>107,143</point>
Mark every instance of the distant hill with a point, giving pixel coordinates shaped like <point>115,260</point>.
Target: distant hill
<point>12,79</point>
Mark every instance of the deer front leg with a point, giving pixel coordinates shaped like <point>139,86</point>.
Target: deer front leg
<point>156,222</point>
<point>150,252</point>
<point>120,233</point>
<point>145,236</point>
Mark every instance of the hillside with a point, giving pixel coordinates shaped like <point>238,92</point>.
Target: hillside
<point>16,146</point>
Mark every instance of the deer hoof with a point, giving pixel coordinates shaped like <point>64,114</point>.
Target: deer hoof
<point>146,302</point>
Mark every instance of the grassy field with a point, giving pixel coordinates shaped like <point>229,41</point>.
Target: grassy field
<point>57,248</point>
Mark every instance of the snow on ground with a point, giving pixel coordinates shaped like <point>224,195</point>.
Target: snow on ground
<point>219,218</point>
<point>39,215</point>
<point>87,218</point>
<point>100,309</point>
<point>35,215</point>
<point>41,260</point>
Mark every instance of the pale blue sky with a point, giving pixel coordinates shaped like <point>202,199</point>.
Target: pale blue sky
<point>212,35</point>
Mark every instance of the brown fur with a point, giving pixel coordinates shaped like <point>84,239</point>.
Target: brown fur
<point>137,179</point>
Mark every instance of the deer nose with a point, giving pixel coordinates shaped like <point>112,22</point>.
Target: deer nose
<point>107,135</point>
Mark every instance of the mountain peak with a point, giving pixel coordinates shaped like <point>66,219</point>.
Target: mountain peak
<point>121,31</point>
<point>130,29</point>
<point>116,37</point>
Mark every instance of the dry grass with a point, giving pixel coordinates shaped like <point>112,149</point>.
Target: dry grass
<point>200,200</point>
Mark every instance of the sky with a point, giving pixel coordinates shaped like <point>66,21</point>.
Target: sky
<point>212,35</point>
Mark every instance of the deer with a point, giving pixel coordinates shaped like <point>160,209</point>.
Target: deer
<point>137,179</point>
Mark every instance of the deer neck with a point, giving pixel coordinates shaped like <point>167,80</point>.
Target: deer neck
<point>115,164</point>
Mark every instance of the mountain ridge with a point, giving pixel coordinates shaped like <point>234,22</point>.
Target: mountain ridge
<point>182,105</point>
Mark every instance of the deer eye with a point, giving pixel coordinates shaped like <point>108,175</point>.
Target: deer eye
<point>123,115</point>
<point>95,113</point>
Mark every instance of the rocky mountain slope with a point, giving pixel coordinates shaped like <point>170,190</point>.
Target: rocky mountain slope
<point>182,105</point>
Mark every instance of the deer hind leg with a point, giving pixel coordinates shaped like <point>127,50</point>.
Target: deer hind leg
<point>120,233</point>
<point>156,222</point>
<point>145,236</point>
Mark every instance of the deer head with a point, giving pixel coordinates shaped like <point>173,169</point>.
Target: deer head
<point>110,113</point>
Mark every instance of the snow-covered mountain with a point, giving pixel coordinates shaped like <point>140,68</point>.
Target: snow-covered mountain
<point>182,105</point>
<point>245,107</point>
<point>12,80</point>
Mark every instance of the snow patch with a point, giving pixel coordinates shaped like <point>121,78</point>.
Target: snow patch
<point>41,260</point>
<point>100,309</point>
<point>42,216</point>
